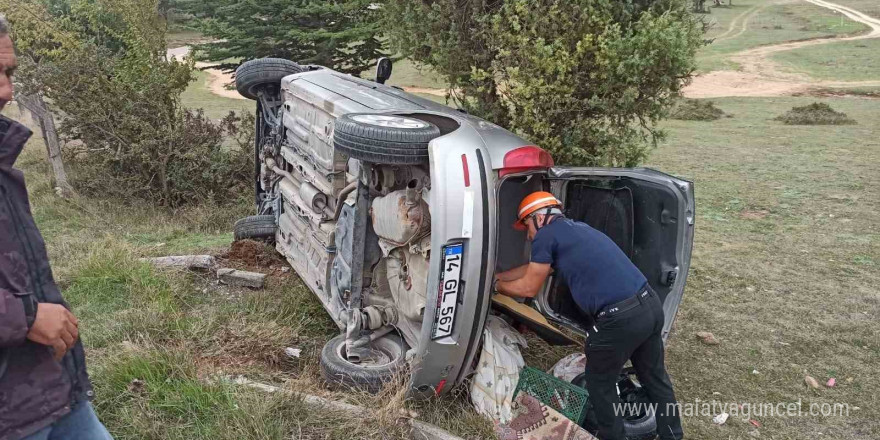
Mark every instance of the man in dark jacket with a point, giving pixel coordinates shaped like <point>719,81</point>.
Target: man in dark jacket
<point>44,388</point>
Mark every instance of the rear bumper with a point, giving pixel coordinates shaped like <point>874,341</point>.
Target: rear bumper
<point>461,213</point>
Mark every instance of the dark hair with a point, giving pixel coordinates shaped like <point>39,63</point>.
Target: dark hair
<point>4,26</point>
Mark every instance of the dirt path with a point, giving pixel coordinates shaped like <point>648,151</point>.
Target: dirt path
<point>745,16</point>
<point>217,79</point>
<point>760,76</point>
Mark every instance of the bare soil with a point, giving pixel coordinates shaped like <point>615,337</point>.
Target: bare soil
<point>253,256</point>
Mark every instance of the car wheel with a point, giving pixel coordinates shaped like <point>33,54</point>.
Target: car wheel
<point>387,139</point>
<point>254,75</point>
<point>255,227</point>
<point>642,426</point>
<point>387,357</point>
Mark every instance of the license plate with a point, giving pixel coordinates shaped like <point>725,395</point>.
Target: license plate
<point>450,281</point>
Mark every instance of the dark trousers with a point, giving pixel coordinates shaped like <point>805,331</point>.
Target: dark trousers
<point>630,334</point>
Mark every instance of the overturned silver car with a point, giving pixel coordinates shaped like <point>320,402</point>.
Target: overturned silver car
<point>396,211</point>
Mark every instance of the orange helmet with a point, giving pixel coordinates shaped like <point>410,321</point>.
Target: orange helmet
<point>531,204</point>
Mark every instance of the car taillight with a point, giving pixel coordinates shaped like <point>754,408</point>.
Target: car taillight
<point>525,158</point>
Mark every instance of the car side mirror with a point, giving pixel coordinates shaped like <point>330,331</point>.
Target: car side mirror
<point>383,70</point>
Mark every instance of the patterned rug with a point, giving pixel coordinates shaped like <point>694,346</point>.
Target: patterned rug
<point>532,420</point>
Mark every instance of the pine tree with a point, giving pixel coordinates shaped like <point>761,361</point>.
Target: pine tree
<point>341,34</point>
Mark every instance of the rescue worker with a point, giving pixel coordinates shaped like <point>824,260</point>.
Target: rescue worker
<point>44,388</point>
<point>627,315</point>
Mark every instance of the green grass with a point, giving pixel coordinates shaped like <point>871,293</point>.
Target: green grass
<point>784,266</point>
<point>843,61</point>
<point>770,23</point>
<point>183,37</point>
<point>405,73</point>
<point>870,7</point>
<point>199,95</point>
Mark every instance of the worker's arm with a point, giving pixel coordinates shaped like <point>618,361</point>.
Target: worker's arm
<point>512,274</point>
<point>528,285</point>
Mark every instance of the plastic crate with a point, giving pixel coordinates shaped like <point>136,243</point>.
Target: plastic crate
<point>570,400</point>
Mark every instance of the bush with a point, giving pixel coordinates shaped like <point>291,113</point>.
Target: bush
<point>695,110</point>
<point>817,113</point>
<point>102,65</point>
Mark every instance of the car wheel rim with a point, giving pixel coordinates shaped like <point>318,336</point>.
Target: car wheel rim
<point>376,357</point>
<point>390,121</point>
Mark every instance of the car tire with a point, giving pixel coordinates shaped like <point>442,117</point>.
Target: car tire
<point>338,372</point>
<point>642,427</point>
<point>254,75</point>
<point>636,428</point>
<point>382,138</point>
<point>255,227</point>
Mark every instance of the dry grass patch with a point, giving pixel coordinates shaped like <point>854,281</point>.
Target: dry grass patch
<point>817,113</point>
<point>687,109</point>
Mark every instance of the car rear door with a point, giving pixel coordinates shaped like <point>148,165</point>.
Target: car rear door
<point>649,214</point>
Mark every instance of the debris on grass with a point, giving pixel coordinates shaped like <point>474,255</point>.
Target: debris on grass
<point>687,109</point>
<point>817,113</point>
<point>831,382</point>
<point>708,338</point>
<point>137,386</point>
<point>720,418</point>
<point>811,382</point>
<point>293,352</point>
<point>755,423</point>
<point>240,278</point>
<point>191,262</point>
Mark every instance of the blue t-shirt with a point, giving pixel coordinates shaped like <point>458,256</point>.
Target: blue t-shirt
<point>596,271</point>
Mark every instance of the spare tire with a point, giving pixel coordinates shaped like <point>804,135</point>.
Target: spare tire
<point>254,75</point>
<point>255,227</point>
<point>388,358</point>
<point>384,138</point>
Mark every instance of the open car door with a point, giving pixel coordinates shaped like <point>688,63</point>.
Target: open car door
<point>649,214</point>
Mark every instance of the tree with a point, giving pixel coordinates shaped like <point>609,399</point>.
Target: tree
<point>586,79</point>
<point>341,34</point>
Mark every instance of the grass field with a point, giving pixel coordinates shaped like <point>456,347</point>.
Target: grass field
<point>785,265</point>
<point>198,95</point>
<point>870,7</point>
<point>760,22</point>
<point>843,61</point>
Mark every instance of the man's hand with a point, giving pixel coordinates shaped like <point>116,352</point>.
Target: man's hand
<point>528,285</point>
<point>512,274</point>
<point>56,327</point>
